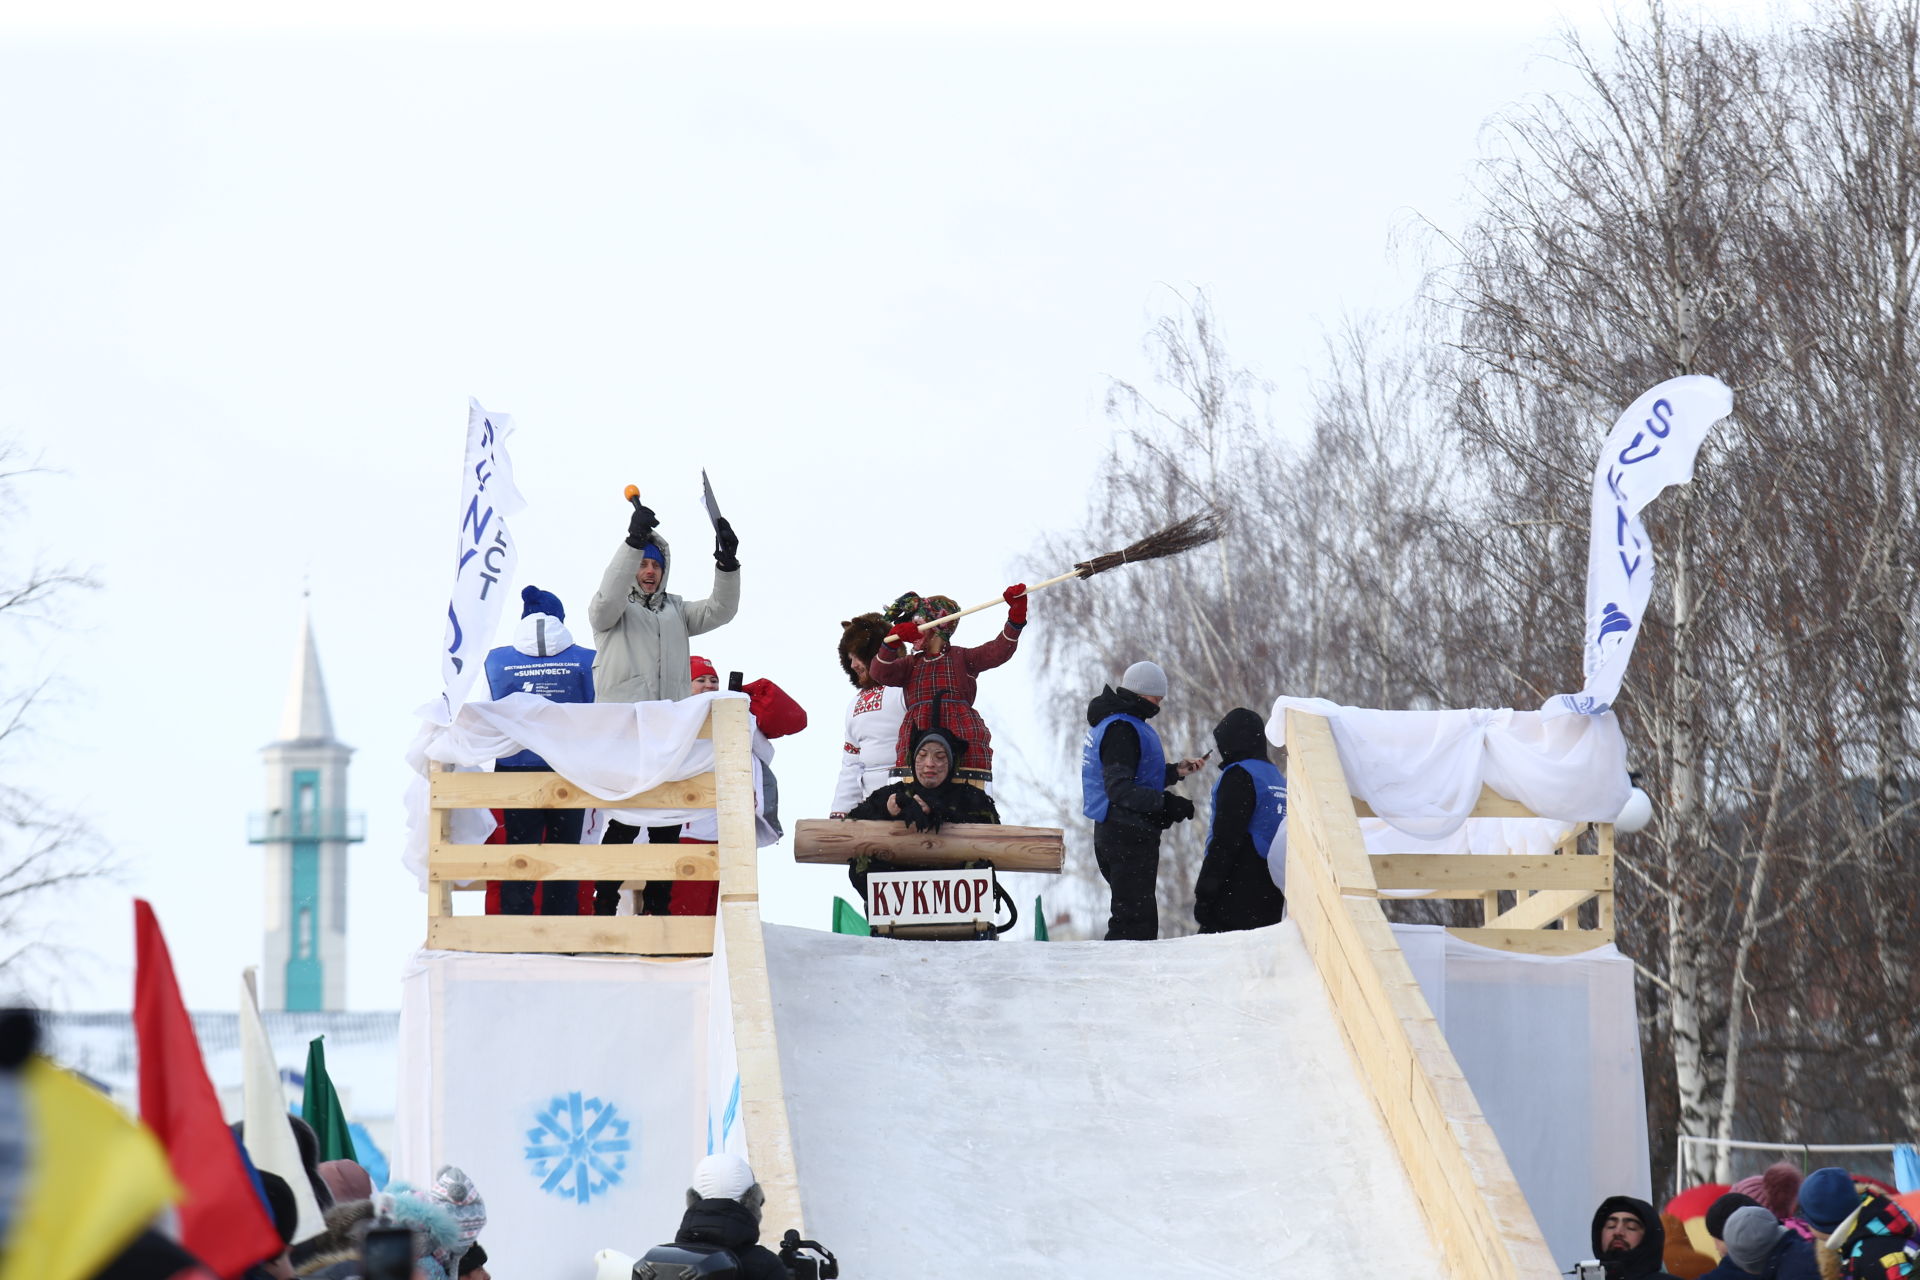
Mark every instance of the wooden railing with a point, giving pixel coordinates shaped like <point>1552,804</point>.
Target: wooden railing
<point>1474,1209</point>
<point>733,860</point>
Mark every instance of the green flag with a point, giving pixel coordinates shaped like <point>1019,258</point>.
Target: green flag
<point>321,1108</point>
<point>1039,921</point>
<point>847,919</point>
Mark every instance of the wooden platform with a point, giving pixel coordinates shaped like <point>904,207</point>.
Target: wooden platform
<point>837,840</point>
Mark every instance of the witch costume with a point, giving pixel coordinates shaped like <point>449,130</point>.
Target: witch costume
<point>952,672</point>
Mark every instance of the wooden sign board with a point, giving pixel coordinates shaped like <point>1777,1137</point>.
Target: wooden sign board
<point>898,899</point>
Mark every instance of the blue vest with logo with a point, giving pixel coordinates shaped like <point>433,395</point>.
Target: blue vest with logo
<point>566,676</point>
<point>1093,783</point>
<point>1269,800</point>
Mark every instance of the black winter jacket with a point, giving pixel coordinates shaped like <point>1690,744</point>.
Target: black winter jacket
<point>728,1224</point>
<point>1131,807</point>
<point>1235,890</point>
<point>1644,1259</point>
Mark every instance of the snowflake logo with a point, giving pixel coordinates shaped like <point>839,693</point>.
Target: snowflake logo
<point>578,1147</point>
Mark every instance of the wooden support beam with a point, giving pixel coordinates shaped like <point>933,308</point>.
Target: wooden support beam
<point>575,862</point>
<point>439,832</point>
<point>1490,805</point>
<point>1540,910</point>
<point>1537,942</point>
<point>1008,848</point>
<point>624,935</point>
<point>1473,874</point>
<point>551,791</point>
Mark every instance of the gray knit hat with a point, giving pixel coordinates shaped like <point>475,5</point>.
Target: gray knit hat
<point>1145,679</point>
<point>1751,1234</point>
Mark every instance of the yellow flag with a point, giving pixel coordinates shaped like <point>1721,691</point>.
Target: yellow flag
<point>95,1179</point>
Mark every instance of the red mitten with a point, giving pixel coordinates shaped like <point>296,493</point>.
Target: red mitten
<point>1016,598</point>
<point>907,632</point>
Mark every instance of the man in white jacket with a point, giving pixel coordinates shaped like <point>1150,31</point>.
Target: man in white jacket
<point>873,717</point>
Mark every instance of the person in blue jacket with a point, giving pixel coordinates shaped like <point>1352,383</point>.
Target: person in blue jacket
<point>1124,776</point>
<point>542,660</point>
<point>1236,888</point>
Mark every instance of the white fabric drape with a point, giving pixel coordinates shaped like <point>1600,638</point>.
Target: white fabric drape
<point>263,1106</point>
<point>613,749</point>
<point>572,1089</point>
<point>1551,1048</point>
<point>1422,771</point>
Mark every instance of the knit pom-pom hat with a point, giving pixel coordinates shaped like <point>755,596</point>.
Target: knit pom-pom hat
<point>454,1189</point>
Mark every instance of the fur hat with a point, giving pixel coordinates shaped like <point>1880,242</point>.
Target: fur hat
<point>860,638</point>
<point>1827,1198</point>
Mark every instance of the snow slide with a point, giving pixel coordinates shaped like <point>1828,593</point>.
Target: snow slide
<point>1182,1108</point>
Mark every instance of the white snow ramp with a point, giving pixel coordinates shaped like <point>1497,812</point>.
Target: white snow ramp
<point>1179,1108</point>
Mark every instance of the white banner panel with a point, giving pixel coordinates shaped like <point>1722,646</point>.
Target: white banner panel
<point>484,556</point>
<point>572,1089</point>
<point>1651,446</point>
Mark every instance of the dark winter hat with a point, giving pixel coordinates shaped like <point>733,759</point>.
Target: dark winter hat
<point>281,1204</point>
<point>1752,1234</point>
<point>1720,1210</point>
<point>937,732</point>
<point>1828,1198</point>
<point>652,552</point>
<point>860,638</point>
<point>474,1258</point>
<point>534,600</point>
<point>1240,735</point>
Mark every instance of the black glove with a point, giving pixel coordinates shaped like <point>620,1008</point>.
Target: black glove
<point>726,545</point>
<point>919,819</point>
<point>1177,809</point>
<point>640,528</point>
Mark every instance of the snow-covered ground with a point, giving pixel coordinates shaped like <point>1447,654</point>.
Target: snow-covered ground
<point>1094,1108</point>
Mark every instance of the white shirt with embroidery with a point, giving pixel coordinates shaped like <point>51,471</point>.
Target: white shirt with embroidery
<point>871,744</point>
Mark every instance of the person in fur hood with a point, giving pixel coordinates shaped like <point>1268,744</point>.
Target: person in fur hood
<point>872,741</point>
<point>542,660</point>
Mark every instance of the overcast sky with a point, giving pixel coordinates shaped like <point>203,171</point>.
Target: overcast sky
<point>874,278</point>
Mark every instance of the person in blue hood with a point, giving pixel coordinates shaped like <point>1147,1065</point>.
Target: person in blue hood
<point>1236,888</point>
<point>542,660</point>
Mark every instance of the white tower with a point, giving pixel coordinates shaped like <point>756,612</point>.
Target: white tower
<point>306,830</point>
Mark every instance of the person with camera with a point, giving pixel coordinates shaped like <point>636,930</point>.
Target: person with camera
<point>723,1213</point>
<point>1124,776</point>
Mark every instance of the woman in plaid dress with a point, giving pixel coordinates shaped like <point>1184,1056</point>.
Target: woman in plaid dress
<point>936,665</point>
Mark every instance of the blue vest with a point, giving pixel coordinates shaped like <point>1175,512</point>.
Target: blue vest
<point>566,676</point>
<point>1269,801</point>
<point>1093,783</point>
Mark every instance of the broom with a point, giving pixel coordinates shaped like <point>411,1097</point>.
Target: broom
<point>1196,530</point>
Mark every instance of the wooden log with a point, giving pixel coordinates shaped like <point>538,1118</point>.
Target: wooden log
<point>1473,874</point>
<point>1537,942</point>
<point>1008,848</point>
<point>551,791</point>
<point>622,935</point>
<point>574,862</point>
<point>1490,805</point>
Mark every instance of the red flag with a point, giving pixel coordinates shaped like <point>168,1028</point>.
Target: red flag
<point>223,1221</point>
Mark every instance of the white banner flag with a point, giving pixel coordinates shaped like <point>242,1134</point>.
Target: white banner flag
<point>1651,446</point>
<point>485,557</point>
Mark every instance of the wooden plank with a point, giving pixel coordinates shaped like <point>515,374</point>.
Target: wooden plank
<point>763,1094</point>
<point>1603,838</point>
<point>1490,805</point>
<point>1328,812</point>
<point>1473,873</point>
<point>733,797</point>
<point>575,862</point>
<point>551,791</point>
<point>1008,848</point>
<point>439,832</point>
<point>1540,910</point>
<point>1537,942</point>
<point>621,935</point>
